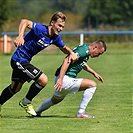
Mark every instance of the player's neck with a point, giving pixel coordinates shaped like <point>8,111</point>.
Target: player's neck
<point>50,31</point>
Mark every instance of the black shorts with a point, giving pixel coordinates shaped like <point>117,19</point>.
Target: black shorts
<point>23,72</point>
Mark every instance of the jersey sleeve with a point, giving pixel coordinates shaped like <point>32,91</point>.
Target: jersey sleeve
<point>37,28</point>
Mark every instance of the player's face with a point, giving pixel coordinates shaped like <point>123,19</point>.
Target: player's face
<point>58,26</point>
<point>96,52</point>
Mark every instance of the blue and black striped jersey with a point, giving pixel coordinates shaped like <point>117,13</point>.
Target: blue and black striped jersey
<point>35,41</point>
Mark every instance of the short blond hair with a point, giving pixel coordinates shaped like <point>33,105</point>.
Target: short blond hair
<point>58,15</point>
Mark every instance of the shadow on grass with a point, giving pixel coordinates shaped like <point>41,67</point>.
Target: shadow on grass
<point>50,116</point>
<point>12,117</point>
<point>32,117</point>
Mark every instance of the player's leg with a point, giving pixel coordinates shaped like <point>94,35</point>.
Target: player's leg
<point>89,87</point>
<point>58,96</point>
<point>35,88</point>
<point>70,85</point>
<point>9,91</point>
<point>30,72</point>
<point>14,87</point>
<point>47,104</point>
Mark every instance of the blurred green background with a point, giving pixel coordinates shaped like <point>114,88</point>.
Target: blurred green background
<point>81,14</point>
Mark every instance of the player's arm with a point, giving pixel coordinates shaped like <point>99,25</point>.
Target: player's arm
<point>90,70</point>
<point>73,56</point>
<point>22,26</point>
<point>64,67</point>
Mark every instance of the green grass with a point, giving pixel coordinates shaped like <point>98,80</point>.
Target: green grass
<point>111,104</point>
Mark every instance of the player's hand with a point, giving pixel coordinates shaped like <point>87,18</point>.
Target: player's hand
<point>99,77</point>
<point>58,85</point>
<point>19,41</point>
<point>72,57</point>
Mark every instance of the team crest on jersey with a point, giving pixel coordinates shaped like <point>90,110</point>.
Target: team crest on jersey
<point>35,71</point>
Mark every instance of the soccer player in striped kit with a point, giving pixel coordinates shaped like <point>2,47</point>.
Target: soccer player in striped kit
<point>38,38</point>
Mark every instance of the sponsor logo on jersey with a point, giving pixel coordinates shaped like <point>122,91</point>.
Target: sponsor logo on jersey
<point>42,43</point>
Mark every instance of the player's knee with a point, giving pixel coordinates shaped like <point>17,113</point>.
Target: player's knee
<point>93,83</point>
<point>16,86</point>
<point>42,80</point>
<point>92,89</point>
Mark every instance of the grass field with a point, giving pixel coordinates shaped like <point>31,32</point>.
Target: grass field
<point>111,104</point>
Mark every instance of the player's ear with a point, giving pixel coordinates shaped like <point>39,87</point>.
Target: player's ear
<point>96,46</point>
<point>51,23</point>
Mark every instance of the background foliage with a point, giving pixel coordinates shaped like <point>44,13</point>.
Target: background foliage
<point>82,14</point>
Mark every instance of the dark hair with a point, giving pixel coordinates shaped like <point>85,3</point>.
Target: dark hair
<point>58,15</point>
<point>101,44</point>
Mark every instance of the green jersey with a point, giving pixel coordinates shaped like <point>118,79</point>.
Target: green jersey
<point>83,55</point>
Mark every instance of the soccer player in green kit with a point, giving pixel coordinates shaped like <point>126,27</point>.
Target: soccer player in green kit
<point>66,81</point>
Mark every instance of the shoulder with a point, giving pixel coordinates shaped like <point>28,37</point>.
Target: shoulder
<point>82,47</point>
<point>82,50</point>
<point>39,26</point>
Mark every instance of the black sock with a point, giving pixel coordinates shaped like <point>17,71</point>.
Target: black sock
<point>6,94</point>
<point>35,88</point>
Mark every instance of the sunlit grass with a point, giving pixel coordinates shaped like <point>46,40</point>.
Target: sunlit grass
<point>111,104</point>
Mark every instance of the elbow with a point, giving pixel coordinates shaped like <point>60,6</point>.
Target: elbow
<point>26,22</point>
<point>23,20</point>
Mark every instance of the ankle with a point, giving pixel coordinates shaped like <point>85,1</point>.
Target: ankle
<point>25,101</point>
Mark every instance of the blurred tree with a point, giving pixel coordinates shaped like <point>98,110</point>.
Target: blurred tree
<point>3,12</point>
<point>35,8</point>
<point>64,5</point>
<point>76,6</point>
<point>114,12</point>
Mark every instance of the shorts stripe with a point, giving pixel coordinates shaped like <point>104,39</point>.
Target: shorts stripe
<point>25,70</point>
